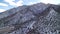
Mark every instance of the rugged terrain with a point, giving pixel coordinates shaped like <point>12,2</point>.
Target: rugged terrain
<point>39,18</point>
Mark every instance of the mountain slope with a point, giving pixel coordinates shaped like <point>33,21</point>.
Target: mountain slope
<point>34,19</point>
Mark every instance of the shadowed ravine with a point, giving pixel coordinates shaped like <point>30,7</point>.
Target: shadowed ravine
<point>39,18</point>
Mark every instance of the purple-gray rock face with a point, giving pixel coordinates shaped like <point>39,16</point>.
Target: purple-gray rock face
<point>35,19</point>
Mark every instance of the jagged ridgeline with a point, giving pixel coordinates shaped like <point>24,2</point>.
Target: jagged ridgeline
<point>39,18</point>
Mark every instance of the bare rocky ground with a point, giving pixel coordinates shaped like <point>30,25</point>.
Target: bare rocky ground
<point>35,19</point>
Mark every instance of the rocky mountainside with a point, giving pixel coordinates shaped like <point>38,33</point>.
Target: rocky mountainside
<point>39,18</point>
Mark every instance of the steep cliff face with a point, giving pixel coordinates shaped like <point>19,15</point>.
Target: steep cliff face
<point>35,19</point>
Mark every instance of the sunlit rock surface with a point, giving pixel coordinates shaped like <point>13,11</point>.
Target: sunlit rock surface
<point>35,19</point>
